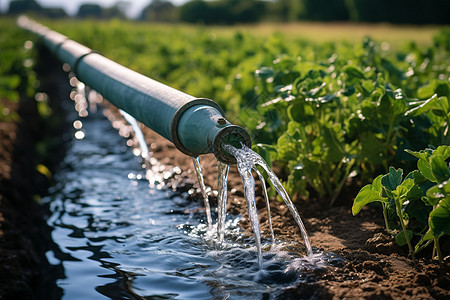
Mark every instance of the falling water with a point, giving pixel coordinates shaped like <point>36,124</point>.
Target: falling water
<point>139,136</point>
<point>266,196</point>
<point>245,170</point>
<point>222,199</point>
<point>246,159</point>
<point>198,171</point>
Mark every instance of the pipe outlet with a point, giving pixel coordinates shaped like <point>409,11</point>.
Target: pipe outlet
<point>202,129</point>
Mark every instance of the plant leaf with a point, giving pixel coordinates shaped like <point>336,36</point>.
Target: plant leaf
<point>439,167</point>
<point>393,179</point>
<point>443,150</point>
<point>401,239</point>
<point>369,193</point>
<point>440,216</point>
<point>426,106</point>
<point>428,236</point>
<point>353,72</point>
<point>434,195</point>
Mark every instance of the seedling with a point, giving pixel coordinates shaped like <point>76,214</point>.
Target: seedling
<point>428,186</point>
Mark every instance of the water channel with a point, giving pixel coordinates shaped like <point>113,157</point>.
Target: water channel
<point>119,238</point>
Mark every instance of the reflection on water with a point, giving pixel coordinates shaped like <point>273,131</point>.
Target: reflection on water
<point>122,239</point>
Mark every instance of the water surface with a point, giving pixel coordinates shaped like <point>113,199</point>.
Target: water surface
<point>120,239</point>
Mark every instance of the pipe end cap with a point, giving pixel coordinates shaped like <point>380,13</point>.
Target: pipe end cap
<point>230,135</point>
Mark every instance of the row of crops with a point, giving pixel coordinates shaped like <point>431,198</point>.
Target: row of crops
<point>17,77</point>
<point>332,116</point>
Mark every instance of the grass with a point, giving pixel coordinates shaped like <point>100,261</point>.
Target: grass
<point>349,32</point>
<point>319,32</point>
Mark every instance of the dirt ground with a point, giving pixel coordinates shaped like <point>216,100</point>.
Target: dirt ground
<point>373,267</point>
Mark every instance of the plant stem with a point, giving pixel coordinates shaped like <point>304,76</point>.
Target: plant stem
<point>438,249</point>
<point>386,222</point>
<point>400,215</point>
<point>339,187</point>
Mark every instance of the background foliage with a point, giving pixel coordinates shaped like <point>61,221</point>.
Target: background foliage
<point>329,114</point>
<point>250,11</point>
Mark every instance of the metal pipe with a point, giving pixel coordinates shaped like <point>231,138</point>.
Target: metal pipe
<point>195,125</point>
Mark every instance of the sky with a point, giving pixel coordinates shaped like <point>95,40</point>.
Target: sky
<point>71,6</point>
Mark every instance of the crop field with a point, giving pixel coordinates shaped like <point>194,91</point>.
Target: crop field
<point>334,106</point>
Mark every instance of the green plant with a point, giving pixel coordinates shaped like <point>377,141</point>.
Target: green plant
<point>325,114</point>
<point>342,111</point>
<point>17,78</point>
<point>421,200</point>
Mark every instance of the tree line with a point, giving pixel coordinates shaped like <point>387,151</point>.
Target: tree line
<point>226,12</point>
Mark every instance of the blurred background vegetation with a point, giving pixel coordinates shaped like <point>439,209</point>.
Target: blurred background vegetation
<point>227,12</point>
<point>327,92</point>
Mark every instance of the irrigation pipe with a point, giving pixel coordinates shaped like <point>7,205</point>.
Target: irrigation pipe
<point>195,125</point>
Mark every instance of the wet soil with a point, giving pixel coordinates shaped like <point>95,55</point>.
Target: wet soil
<point>372,266</point>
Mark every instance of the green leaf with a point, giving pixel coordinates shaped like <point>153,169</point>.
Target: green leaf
<point>418,210</point>
<point>401,239</point>
<point>369,193</point>
<point>353,72</point>
<point>286,146</point>
<point>264,73</point>
<point>434,195</point>
<point>415,192</point>
<point>442,150</point>
<point>267,152</point>
<point>437,105</point>
<point>440,217</point>
<point>426,170</point>
<point>423,154</point>
<point>403,189</point>
<point>428,236</point>
<point>372,148</point>
<point>392,180</point>
<point>296,111</point>
<point>439,167</point>
<point>425,161</point>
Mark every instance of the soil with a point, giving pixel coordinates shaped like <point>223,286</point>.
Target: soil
<point>371,265</point>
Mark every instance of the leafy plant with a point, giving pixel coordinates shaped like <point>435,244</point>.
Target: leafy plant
<point>426,189</point>
<point>16,74</point>
<point>341,113</point>
<point>325,114</point>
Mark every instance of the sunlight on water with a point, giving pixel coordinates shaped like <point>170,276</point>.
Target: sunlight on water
<point>247,159</point>
<point>120,234</point>
<point>117,238</point>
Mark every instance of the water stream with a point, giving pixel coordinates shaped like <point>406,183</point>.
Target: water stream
<point>198,171</point>
<point>246,160</point>
<point>266,197</point>
<point>119,238</point>
<point>139,135</point>
<point>223,170</point>
<point>121,235</point>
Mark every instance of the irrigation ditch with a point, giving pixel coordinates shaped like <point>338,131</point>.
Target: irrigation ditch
<point>371,265</point>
